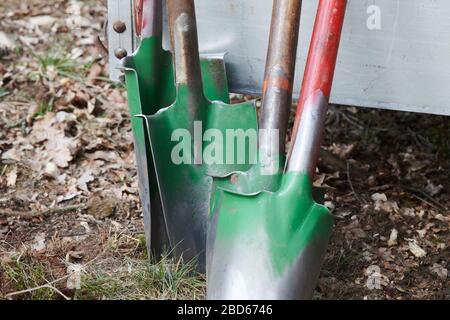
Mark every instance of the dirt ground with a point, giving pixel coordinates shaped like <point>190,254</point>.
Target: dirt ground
<point>69,206</point>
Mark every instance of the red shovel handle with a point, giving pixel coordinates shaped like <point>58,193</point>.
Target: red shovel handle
<point>138,14</point>
<point>323,50</point>
<point>148,18</point>
<point>316,87</point>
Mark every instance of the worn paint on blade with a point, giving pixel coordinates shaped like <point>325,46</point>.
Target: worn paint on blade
<point>253,277</point>
<point>274,242</point>
<point>289,218</point>
<point>186,188</point>
<point>151,91</point>
<point>145,72</point>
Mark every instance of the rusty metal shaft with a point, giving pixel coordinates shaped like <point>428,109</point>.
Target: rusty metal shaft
<point>184,42</point>
<point>279,78</point>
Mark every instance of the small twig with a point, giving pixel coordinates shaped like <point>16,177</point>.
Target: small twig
<point>104,52</point>
<point>334,161</point>
<point>425,201</point>
<point>47,285</point>
<point>16,124</point>
<point>350,119</point>
<point>435,204</point>
<point>351,184</point>
<point>73,235</point>
<point>3,171</point>
<point>45,213</point>
<point>58,291</point>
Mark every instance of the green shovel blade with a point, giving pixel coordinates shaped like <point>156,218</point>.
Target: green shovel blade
<point>151,91</point>
<point>180,192</point>
<point>268,245</point>
<point>185,186</point>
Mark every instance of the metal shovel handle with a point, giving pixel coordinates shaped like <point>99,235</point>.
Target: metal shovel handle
<point>317,81</point>
<point>279,76</point>
<point>184,42</point>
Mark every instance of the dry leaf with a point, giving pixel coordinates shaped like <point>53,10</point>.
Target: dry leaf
<point>95,71</point>
<point>393,238</point>
<point>409,212</point>
<point>330,205</point>
<point>379,197</point>
<point>85,178</point>
<point>51,170</point>
<point>388,206</point>
<point>342,150</point>
<point>416,250</point>
<point>422,233</point>
<point>67,197</point>
<point>11,154</point>
<point>441,218</point>
<point>432,189</point>
<point>39,242</point>
<point>29,41</point>
<point>57,148</point>
<point>61,150</point>
<point>41,21</point>
<point>34,109</point>
<point>110,156</point>
<point>320,178</point>
<point>6,43</point>
<point>63,116</point>
<point>11,178</point>
<point>382,204</point>
<point>100,207</point>
<point>74,279</point>
<point>74,255</point>
<point>440,271</point>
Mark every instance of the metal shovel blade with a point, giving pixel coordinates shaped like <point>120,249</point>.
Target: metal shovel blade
<point>270,245</point>
<point>267,246</point>
<point>176,136</point>
<point>150,86</point>
<point>186,188</point>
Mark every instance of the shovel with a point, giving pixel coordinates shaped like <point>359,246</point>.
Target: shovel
<point>270,245</point>
<point>181,133</point>
<point>151,87</point>
<point>144,78</point>
<point>276,104</point>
